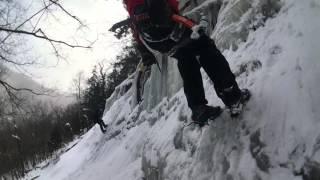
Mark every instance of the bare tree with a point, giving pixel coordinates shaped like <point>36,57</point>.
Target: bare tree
<point>78,82</point>
<point>78,86</point>
<point>15,27</point>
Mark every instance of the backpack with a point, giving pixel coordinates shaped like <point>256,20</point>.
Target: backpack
<point>152,20</point>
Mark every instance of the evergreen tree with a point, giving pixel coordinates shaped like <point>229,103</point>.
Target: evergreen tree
<point>96,94</point>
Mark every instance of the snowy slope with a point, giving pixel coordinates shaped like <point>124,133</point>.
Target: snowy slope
<point>277,137</point>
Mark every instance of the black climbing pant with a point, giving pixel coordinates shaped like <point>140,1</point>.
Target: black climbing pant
<point>102,125</point>
<point>204,53</point>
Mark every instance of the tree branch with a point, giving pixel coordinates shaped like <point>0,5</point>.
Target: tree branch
<point>16,63</point>
<point>35,34</point>
<point>55,2</point>
<point>27,20</point>
<point>9,89</point>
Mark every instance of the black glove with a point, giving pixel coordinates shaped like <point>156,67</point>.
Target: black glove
<point>147,57</point>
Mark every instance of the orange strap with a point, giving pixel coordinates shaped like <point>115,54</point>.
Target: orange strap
<point>182,20</point>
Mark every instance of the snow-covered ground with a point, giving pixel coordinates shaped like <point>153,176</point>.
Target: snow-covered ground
<point>276,138</point>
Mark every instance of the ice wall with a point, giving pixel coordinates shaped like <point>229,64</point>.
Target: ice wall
<point>237,17</point>
<point>163,82</point>
<point>231,20</point>
<point>120,91</point>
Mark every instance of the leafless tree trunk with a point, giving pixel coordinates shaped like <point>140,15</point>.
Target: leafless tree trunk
<point>78,82</point>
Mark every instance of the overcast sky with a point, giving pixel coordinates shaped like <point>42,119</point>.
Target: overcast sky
<point>99,15</point>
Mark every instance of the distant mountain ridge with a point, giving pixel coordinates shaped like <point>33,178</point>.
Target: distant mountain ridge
<point>20,80</point>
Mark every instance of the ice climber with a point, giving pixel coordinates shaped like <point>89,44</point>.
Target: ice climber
<point>102,125</point>
<point>155,29</point>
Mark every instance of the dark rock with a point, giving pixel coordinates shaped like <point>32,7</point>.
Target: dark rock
<point>311,171</point>
<point>178,140</point>
<point>256,149</point>
<point>250,66</point>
